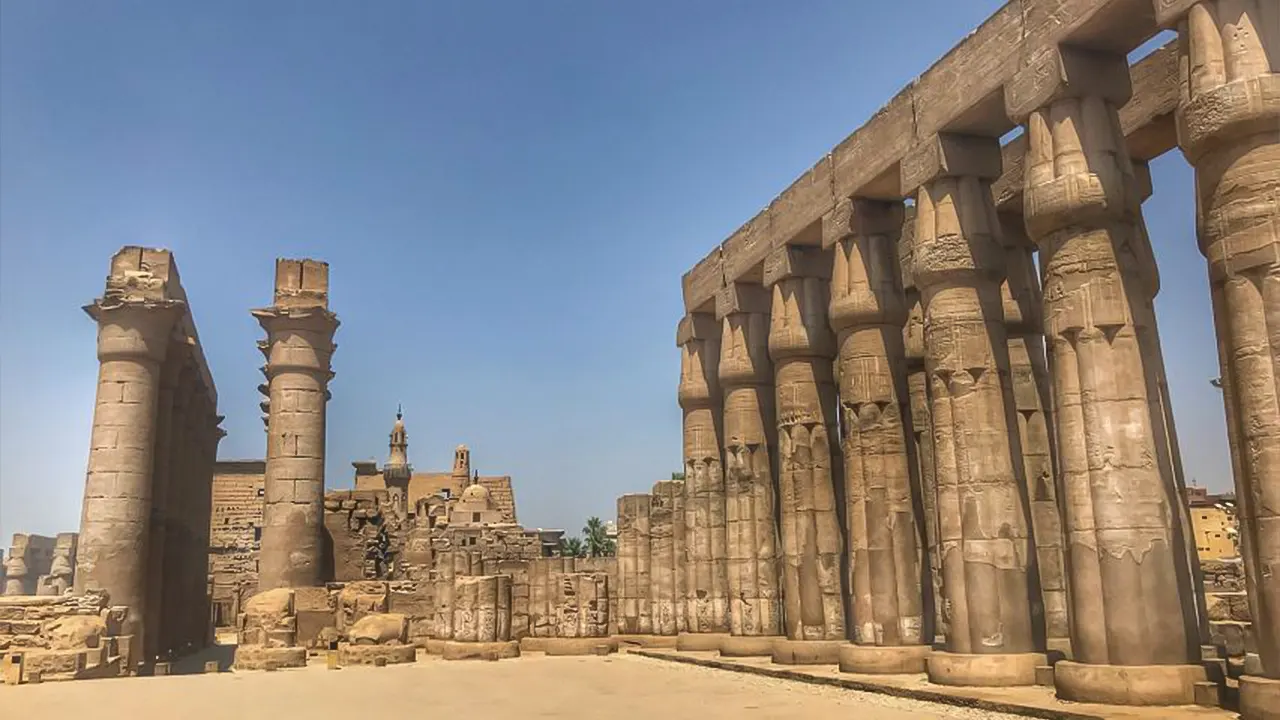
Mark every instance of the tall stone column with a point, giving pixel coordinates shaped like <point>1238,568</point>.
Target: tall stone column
<point>634,617</point>
<point>1020,294</point>
<point>172,606</point>
<point>1228,122</point>
<point>983,520</point>
<point>706,610</point>
<point>892,632</point>
<point>921,419</point>
<point>299,347</point>
<point>667,557</point>
<point>803,351</point>
<point>750,443</point>
<point>1134,636</point>
<point>133,338</point>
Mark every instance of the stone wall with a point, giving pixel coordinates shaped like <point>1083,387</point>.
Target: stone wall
<point>366,530</point>
<point>235,524</point>
<point>1230,622</point>
<point>65,637</point>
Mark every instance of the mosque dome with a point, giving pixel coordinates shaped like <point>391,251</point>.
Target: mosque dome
<point>476,493</point>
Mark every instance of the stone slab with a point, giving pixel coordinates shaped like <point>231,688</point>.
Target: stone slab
<point>700,641</point>
<point>260,657</point>
<point>480,650</point>
<point>349,654</point>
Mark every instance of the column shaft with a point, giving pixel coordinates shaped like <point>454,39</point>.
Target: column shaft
<point>750,440</point>
<point>706,571</point>
<point>634,616</point>
<point>667,549</point>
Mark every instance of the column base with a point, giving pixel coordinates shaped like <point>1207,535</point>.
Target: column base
<point>1127,684</point>
<point>878,660</point>
<point>645,641</point>
<point>261,657</point>
<point>434,646</point>
<point>454,650</point>
<point>748,645</point>
<point>700,642</point>
<point>1059,647</point>
<point>1259,698</point>
<point>570,646</point>
<point>807,652</point>
<point>349,654</point>
<point>994,670</point>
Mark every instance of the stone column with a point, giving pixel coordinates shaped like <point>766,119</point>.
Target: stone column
<point>706,609</point>
<point>172,604</point>
<point>803,351</point>
<point>1228,121</point>
<point>921,419</point>
<point>133,337</point>
<point>481,619</point>
<point>299,347</point>
<point>666,551</point>
<point>634,617</point>
<point>892,633</point>
<point>750,442</point>
<point>983,520</point>
<point>1134,636</point>
<point>1020,294</point>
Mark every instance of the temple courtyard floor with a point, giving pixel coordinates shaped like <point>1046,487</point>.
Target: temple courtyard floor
<point>619,687</point>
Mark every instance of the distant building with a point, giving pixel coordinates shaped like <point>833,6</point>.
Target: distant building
<point>1213,521</point>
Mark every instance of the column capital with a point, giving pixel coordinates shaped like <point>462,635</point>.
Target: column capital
<point>795,261</point>
<point>299,339</point>
<point>857,217</point>
<point>697,326</point>
<point>1170,12</point>
<point>740,297</point>
<point>1064,72</point>
<point>950,155</point>
<point>135,328</point>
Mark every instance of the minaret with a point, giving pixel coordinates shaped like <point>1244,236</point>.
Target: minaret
<point>397,471</point>
<point>461,467</point>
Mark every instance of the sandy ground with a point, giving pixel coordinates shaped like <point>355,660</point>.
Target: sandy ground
<point>619,687</point>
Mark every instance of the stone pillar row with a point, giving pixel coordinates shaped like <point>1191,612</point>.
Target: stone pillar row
<point>148,487</point>
<point>1008,477</point>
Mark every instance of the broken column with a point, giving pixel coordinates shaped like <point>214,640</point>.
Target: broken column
<point>803,350</point>
<point>983,523</point>
<point>1228,121</point>
<point>137,314</point>
<point>481,619</point>
<point>1134,639</point>
<point>1029,370</point>
<point>667,558</point>
<point>634,617</point>
<point>706,609</point>
<point>298,349</point>
<point>750,441</point>
<point>892,632</point>
<point>62,566</point>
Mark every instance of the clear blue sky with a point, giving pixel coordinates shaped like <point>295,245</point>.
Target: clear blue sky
<point>507,193</point>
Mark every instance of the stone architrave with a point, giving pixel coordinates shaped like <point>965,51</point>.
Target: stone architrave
<point>706,609</point>
<point>892,632</point>
<point>298,349</point>
<point>666,561</point>
<point>1135,637</point>
<point>921,417</point>
<point>802,349</point>
<point>634,616</point>
<point>959,263</point>
<point>136,318</point>
<point>1021,297</point>
<point>750,443</point>
<point>1228,121</point>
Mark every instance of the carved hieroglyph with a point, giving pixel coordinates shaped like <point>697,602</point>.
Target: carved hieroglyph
<point>706,607</point>
<point>1131,590</point>
<point>545,578</point>
<point>803,349</point>
<point>868,312</point>
<point>667,557</point>
<point>482,608</point>
<point>958,265</point>
<point>633,565</point>
<point>298,349</point>
<point>1020,295</point>
<point>750,433</point>
<point>1229,130</point>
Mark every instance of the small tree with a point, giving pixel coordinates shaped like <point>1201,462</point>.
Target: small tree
<point>597,540</point>
<point>677,476</point>
<point>572,547</point>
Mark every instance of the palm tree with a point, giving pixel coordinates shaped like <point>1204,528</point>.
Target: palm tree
<point>597,540</point>
<point>572,547</point>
